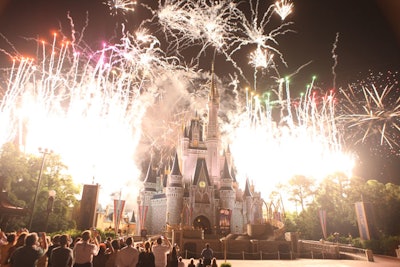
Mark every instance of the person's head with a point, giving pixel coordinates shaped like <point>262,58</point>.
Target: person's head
<point>63,240</point>
<point>207,245</point>
<point>191,260</point>
<point>200,260</point>
<point>159,240</point>
<point>214,260</point>
<point>180,259</point>
<point>86,235</point>
<point>129,241</point>
<point>115,244</point>
<point>11,238</point>
<point>21,239</point>
<point>102,248</point>
<point>147,246</point>
<point>56,239</point>
<point>31,239</point>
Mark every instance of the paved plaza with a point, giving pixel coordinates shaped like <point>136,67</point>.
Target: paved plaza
<point>379,261</point>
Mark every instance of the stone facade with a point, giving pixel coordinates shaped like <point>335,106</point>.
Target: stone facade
<point>199,190</point>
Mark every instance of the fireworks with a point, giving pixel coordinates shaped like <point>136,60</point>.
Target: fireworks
<point>283,8</point>
<point>104,112</point>
<point>302,138</point>
<point>123,6</point>
<point>372,111</point>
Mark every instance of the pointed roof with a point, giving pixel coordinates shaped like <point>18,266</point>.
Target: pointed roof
<point>133,219</point>
<point>233,174</point>
<point>247,192</point>
<point>226,173</point>
<point>151,176</point>
<point>175,166</point>
<point>201,172</point>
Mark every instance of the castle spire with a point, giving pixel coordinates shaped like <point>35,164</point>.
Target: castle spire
<point>213,95</point>
<point>175,166</point>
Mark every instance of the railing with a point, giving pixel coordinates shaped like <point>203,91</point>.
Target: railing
<point>324,250</point>
<point>307,249</point>
<point>278,255</point>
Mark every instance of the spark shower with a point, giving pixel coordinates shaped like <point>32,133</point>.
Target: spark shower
<point>105,110</point>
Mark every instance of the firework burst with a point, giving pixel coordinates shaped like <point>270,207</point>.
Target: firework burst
<point>372,112</point>
<point>111,107</point>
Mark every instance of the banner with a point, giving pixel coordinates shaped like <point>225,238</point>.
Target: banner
<point>142,216</point>
<point>362,221</point>
<point>322,220</point>
<point>225,220</point>
<point>87,214</point>
<point>118,210</point>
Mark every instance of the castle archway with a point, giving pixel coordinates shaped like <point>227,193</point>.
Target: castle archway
<point>201,222</point>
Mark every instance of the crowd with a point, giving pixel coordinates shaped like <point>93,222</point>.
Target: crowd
<point>25,249</point>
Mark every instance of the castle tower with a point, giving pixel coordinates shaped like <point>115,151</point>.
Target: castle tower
<point>144,200</point>
<point>227,193</point>
<point>174,194</point>
<point>247,203</point>
<point>212,141</point>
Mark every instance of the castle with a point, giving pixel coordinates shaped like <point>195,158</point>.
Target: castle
<point>199,190</point>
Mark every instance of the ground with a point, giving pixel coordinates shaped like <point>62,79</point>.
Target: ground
<point>379,261</point>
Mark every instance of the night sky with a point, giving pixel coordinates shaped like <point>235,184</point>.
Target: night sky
<point>369,40</point>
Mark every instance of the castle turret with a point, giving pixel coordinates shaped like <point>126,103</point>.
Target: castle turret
<point>174,194</point>
<point>227,193</point>
<point>144,199</point>
<point>212,140</point>
<point>247,201</point>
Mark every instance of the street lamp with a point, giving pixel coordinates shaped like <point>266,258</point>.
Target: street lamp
<point>50,202</point>
<point>44,153</point>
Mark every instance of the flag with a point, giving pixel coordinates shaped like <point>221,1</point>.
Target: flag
<point>322,220</point>
<point>118,210</point>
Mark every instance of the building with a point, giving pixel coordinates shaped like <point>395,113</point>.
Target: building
<point>198,190</point>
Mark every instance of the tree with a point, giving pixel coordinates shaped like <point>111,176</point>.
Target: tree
<point>19,177</point>
<point>334,196</point>
<point>300,189</point>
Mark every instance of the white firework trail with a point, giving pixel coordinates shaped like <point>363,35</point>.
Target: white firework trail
<point>284,8</point>
<point>221,25</point>
<point>87,108</point>
<point>271,146</point>
<point>96,108</point>
<point>123,6</point>
<point>372,113</point>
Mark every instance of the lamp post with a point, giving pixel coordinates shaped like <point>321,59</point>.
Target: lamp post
<point>50,202</point>
<point>44,153</point>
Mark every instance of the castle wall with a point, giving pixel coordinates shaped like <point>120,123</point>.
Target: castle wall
<point>158,216</point>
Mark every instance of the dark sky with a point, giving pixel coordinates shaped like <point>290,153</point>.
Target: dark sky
<point>369,36</point>
<point>369,30</point>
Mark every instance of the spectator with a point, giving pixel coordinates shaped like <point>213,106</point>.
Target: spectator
<point>160,251</point>
<point>207,255</point>
<point>146,257</point>
<point>85,249</point>
<point>115,246</point>
<point>101,258</point>
<point>172,258</point>
<point>27,255</point>
<point>55,242</point>
<point>129,255</point>
<point>191,263</point>
<point>180,262</point>
<point>5,249</point>
<point>200,263</point>
<point>214,262</point>
<point>61,256</point>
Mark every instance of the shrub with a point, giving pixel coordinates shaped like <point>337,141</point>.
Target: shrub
<point>225,264</point>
